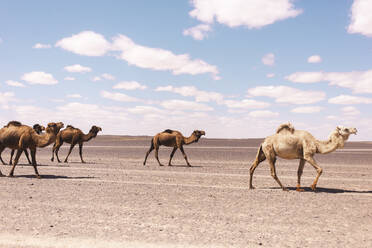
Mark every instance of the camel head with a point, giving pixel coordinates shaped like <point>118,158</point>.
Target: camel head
<point>54,127</point>
<point>198,134</point>
<point>95,130</point>
<point>38,128</point>
<point>345,131</point>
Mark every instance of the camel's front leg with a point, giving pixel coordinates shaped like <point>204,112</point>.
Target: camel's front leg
<point>184,155</point>
<point>33,157</point>
<point>318,169</point>
<point>299,174</point>
<point>81,152</point>
<point>171,156</point>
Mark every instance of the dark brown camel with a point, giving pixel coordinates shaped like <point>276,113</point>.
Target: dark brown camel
<point>173,139</point>
<point>38,129</point>
<point>73,136</point>
<point>24,137</point>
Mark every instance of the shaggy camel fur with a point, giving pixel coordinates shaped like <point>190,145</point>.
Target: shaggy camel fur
<point>73,136</point>
<point>38,129</point>
<point>173,139</point>
<point>24,137</point>
<point>289,143</point>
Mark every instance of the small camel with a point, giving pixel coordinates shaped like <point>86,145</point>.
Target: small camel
<point>73,136</point>
<point>24,137</point>
<point>289,143</point>
<point>173,139</point>
<point>38,129</point>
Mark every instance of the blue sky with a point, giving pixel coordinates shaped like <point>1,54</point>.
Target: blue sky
<point>236,69</point>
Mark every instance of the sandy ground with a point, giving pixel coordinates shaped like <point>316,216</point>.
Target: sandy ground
<point>114,201</point>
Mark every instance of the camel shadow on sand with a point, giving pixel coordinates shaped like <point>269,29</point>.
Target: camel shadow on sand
<point>332,190</point>
<point>48,176</point>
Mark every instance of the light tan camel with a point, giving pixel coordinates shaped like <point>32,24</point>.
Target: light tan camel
<point>289,143</point>
<point>173,139</point>
<point>24,137</point>
<point>73,136</point>
<point>38,129</point>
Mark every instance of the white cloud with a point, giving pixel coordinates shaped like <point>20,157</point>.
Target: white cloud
<point>347,99</point>
<point>285,94</point>
<point>160,59</point>
<point>361,18</point>
<point>69,78</point>
<point>314,59</point>
<point>246,104</point>
<point>307,110</point>
<point>200,96</point>
<point>5,98</point>
<point>350,111</point>
<point>73,96</point>
<point>358,81</point>
<point>39,77</point>
<point>77,68</point>
<point>270,75</point>
<point>145,110</point>
<point>198,32</point>
<point>86,43</point>
<point>14,83</point>
<point>41,46</point>
<point>96,78</point>
<point>251,14</point>
<point>185,105</point>
<point>120,97</point>
<point>263,114</point>
<point>129,85</point>
<point>268,59</point>
<point>108,76</point>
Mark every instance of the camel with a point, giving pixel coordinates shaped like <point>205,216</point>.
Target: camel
<point>25,137</point>
<point>289,143</point>
<point>73,136</point>
<point>173,139</point>
<point>38,129</point>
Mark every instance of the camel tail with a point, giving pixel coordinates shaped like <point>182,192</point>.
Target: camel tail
<point>260,155</point>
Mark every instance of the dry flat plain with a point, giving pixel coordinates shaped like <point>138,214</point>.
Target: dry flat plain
<point>115,201</point>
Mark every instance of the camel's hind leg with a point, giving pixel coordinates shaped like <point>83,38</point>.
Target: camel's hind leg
<point>18,154</point>
<point>157,154</point>
<point>69,151</point>
<point>259,158</point>
<point>299,174</point>
<point>318,169</point>
<point>149,151</point>
<point>171,156</point>
<point>272,161</point>
<point>1,159</point>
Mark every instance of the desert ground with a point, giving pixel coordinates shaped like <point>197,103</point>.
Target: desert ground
<point>115,201</point>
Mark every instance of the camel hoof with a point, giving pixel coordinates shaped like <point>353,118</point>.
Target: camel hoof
<point>65,161</point>
<point>189,165</point>
<point>83,162</point>
<point>170,165</point>
<point>10,175</point>
<point>285,189</point>
<point>1,175</point>
<point>52,159</point>
<point>38,176</point>
<point>161,165</point>
<point>313,187</point>
<point>251,187</point>
<point>300,190</point>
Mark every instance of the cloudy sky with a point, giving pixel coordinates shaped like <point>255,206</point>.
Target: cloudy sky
<point>236,69</point>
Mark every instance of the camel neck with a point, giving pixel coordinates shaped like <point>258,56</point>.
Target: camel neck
<point>333,143</point>
<point>88,136</point>
<point>189,140</point>
<point>44,139</point>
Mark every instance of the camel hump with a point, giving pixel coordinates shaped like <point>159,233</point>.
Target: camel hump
<point>69,126</point>
<point>286,126</point>
<point>168,131</point>
<point>13,123</point>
